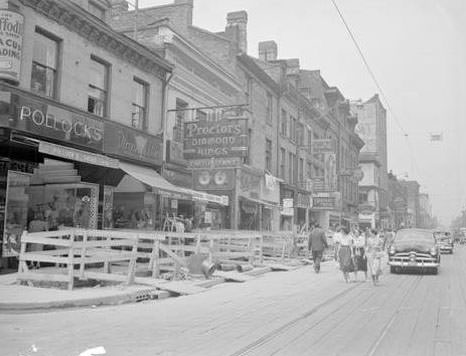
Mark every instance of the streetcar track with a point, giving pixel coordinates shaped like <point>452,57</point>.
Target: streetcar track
<point>269,336</point>
<point>390,322</point>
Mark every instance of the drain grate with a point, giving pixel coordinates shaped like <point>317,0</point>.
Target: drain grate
<point>146,294</point>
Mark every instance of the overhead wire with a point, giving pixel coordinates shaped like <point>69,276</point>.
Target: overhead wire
<point>379,87</point>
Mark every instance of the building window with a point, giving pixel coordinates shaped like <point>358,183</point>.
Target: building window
<point>282,162</point>
<point>138,116</point>
<point>269,109</point>
<point>44,64</point>
<point>249,91</point>
<point>292,129</point>
<point>309,170</point>
<point>295,169</point>
<point>309,140</point>
<point>284,123</point>
<point>268,155</point>
<point>290,167</point>
<point>301,170</point>
<point>181,107</point>
<point>98,87</point>
<point>96,10</point>
<point>300,134</point>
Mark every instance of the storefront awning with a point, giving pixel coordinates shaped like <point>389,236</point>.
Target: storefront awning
<point>156,181</point>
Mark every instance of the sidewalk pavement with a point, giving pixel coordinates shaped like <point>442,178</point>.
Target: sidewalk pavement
<point>14,297</point>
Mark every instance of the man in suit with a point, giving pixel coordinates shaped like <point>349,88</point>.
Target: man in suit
<point>317,244</point>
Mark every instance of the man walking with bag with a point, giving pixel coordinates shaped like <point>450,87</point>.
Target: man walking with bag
<point>317,244</point>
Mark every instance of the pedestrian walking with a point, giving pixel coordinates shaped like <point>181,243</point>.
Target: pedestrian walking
<point>345,254</point>
<point>374,251</point>
<point>359,252</point>
<point>317,244</point>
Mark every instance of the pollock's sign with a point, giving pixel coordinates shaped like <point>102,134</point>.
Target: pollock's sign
<point>11,42</point>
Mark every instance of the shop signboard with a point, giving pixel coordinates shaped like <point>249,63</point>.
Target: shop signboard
<point>330,171</point>
<point>318,184</point>
<point>37,117</point>
<point>302,200</point>
<point>226,137</point>
<point>326,203</point>
<point>215,162</point>
<point>322,146</point>
<point>287,209</point>
<point>11,43</point>
<point>131,143</point>
<point>77,155</point>
<point>214,179</point>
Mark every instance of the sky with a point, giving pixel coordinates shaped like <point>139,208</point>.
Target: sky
<point>417,50</point>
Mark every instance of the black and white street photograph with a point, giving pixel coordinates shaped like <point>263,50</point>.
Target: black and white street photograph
<point>232,178</point>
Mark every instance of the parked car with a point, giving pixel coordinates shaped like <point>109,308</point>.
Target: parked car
<point>444,241</point>
<point>414,249</point>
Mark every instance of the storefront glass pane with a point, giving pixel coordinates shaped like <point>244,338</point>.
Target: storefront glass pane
<point>16,212</point>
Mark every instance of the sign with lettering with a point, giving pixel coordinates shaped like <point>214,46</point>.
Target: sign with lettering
<point>215,162</point>
<point>214,179</point>
<point>302,200</point>
<point>11,43</point>
<point>78,155</point>
<point>222,138</point>
<point>130,143</point>
<point>323,146</point>
<point>327,203</point>
<point>37,117</point>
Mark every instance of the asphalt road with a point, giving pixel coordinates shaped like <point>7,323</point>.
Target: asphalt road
<point>281,313</point>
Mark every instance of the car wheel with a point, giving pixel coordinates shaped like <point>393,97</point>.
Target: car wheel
<point>392,269</point>
<point>435,270</point>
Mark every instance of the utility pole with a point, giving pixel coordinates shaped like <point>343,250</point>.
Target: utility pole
<point>136,13</point>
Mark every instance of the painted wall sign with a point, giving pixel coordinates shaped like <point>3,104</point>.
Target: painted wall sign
<point>214,179</point>
<point>130,143</point>
<point>33,116</point>
<point>223,138</point>
<point>11,42</point>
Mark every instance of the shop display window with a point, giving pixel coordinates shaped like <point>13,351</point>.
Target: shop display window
<point>16,212</point>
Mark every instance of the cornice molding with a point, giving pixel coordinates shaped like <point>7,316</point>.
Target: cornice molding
<point>78,20</point>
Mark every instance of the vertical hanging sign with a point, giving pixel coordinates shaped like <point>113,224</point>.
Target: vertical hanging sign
<point>11,42</point>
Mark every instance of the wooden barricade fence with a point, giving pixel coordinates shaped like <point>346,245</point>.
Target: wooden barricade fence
<point>70,248</point>
<point>90,254</point>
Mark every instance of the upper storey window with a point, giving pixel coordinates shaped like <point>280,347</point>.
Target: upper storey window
<point>44,64</point>
<point>98,87</point>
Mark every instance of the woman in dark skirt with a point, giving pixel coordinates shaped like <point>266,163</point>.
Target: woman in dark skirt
<point>345,254</point>
<point>360,259</point>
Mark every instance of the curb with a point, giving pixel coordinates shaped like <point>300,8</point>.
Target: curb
<point>130,297</point>
<point>124,298</point>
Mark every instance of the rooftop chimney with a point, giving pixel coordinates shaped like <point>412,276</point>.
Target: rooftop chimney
<point>238,20</point>
<point>268,51</point>
<point>189,9</point>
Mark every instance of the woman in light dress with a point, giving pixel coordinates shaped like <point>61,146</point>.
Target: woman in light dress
<point>374,251</point>
<point>345,253</point>
<point>359,251</point>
